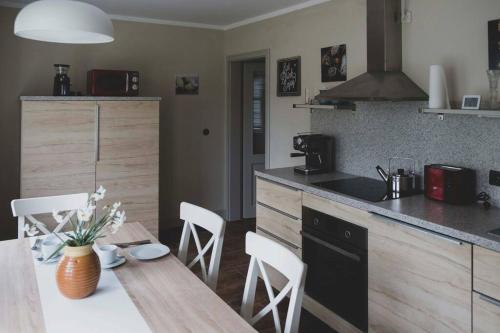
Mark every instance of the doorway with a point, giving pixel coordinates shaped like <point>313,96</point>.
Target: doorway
<point>248,130</point>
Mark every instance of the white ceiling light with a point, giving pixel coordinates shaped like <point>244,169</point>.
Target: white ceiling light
<point>64,21</point>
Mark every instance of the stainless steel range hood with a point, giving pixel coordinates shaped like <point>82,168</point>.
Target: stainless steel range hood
<point>384,80</point>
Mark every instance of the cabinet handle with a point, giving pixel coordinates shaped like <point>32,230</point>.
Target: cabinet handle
<point>422,230</point>
<point>277,211</point>
<point>97,127</point>
<point>347,254</point>
<point>489,300</point>
<point>279,238</point>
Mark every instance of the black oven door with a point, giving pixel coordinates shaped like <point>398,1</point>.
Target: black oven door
<point>337,276</point>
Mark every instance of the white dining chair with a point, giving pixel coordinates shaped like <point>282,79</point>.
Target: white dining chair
<point>198,216</point>
<point>263,250</point>
<point>25,209</point>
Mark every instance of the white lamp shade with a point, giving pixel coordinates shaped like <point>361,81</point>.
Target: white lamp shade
<point>64,21</point>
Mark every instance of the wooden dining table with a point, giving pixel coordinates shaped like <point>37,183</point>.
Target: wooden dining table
<point>166,293</point>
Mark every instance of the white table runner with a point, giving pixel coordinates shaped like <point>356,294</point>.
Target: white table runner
<point>108,310</point>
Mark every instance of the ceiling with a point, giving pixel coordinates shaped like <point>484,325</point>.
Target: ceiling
<point>217,14</point>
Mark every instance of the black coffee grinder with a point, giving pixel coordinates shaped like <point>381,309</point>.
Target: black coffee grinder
<point>318,150</point>
<point>61,80</point>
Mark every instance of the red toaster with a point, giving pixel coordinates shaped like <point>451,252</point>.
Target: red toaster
<point>451,184</point>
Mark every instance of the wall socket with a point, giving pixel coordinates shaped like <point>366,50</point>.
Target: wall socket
<point>494,177</point>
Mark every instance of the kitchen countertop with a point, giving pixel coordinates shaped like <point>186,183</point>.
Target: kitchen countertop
<point>88,98</point>
<point>469,223</point>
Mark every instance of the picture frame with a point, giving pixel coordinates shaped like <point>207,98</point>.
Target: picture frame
<point>288,77</point>
<point>187,84</point>
<point>334,63</point>
<point>471,102</point>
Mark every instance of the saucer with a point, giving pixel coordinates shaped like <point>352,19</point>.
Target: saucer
<point>119,261</point>
<point>149,251</point>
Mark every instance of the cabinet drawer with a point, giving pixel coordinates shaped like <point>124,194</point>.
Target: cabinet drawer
<point>291,247</point>
<point>284,227</point>
<point>486,272</point>
<point>282,198</point>
<point>486,314</point>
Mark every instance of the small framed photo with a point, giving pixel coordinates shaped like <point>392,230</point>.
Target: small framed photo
<point>471,102</point>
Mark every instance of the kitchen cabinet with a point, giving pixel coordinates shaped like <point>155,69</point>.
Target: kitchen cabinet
<point>486,285</point>
<point>419,281</point>
<point>58,148</point>
<point>72,146</point>
<point>285,199</point>
<point>486,314</point>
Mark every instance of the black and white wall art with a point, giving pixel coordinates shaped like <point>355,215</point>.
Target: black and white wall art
<point>288,77</point>
<point>187,84</point>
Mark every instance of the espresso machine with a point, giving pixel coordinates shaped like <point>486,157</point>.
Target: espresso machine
<point>318,150</point>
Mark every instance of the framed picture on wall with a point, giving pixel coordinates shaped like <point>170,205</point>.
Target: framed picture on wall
<point>494,44</point>
<point>288,77</point>
<point>334,63</point>
<point>187,84</point>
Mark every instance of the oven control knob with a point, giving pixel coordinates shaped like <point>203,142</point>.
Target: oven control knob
<point>135,87</point>
<point>315,221</point>
<point>347,234</point>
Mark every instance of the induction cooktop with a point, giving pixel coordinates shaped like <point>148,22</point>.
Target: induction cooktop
<point>359,187</point>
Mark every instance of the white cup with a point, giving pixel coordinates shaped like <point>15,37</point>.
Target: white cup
<point>50,245</point>
<point>107,253</point>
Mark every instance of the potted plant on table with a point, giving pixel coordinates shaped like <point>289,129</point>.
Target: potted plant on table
<point>79,269</point>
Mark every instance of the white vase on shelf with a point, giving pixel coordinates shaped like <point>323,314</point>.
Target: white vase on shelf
<point>493,77</point>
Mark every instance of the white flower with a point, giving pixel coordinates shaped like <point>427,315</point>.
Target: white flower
<point>58,217</point>
<point>118,220</point>
<point>99,194</point>
<point>114,208</point>
<point>30,231</point>
<point>85,214</point>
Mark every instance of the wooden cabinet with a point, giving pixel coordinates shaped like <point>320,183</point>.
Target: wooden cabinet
<point>58,148</point>
<point>486,314</point>
<point>486,285</point>
<point>286,228</point>
<point>487,272</point>
<point>76,146</point>
<point>285,199</point>
<point>128,158</point>
<point>418,281</point>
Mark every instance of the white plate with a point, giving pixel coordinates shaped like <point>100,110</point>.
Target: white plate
<point>119,261</point>
<point>149,251</point>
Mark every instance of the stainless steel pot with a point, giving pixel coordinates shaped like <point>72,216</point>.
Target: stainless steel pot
<point>400,182</point>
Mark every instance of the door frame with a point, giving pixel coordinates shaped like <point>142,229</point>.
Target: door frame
<point>266,55</point>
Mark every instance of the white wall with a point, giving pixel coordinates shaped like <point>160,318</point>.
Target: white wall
<point>453,33</point>
<point>302,33</point>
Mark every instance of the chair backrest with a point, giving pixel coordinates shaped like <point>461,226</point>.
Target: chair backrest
<point>198,216</point>
<point>25,209</point>
<point>263,250</point>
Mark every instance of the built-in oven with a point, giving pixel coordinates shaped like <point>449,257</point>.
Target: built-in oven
<point>336,253</point>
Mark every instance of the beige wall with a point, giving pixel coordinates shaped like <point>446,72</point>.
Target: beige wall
<point>190,162</point>
<point>302,33</point>
<point>453,33</point>
<point>448,32</point>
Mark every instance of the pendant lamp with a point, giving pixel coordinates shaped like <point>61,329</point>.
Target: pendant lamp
<point>64,21</point>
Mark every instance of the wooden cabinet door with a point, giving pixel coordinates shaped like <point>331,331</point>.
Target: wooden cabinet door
<point>58,147</point>
<point>128,158</point>
<point>486,314</point>
<point>418,281</point>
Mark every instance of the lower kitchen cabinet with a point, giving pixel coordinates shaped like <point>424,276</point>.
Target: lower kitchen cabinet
<point>419,281</point>
<point>486,314</point>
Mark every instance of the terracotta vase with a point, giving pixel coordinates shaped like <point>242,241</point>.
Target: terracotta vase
<point>78,272</point>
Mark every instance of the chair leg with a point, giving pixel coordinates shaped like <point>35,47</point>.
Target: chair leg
<point>184,244</point>
<point>249,292</point>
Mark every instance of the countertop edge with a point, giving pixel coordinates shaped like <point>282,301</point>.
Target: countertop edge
<point>398,217</point>
<point>89,98</point>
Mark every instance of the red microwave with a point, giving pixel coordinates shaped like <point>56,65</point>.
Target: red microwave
<point>104,82</point>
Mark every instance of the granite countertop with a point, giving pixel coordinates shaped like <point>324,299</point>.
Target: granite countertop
<point>88,98</point>
<point>467,223</point>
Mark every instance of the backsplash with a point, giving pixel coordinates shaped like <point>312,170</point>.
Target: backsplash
<point>377,131</point>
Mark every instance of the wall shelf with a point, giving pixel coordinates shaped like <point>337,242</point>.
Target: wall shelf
<point>477,113</point>
<point>350,107</point>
